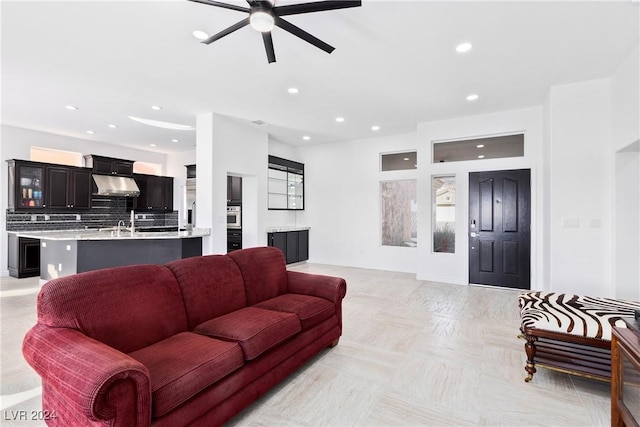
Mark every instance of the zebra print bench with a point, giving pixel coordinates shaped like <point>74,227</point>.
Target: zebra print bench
<point>571,333</point>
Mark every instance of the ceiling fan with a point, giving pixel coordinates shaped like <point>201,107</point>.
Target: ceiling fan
<point>264,14</point>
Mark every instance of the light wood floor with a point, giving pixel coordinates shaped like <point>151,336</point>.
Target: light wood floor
<point>412,353</point>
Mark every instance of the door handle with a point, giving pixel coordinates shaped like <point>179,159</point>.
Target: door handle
<point>474,234</point>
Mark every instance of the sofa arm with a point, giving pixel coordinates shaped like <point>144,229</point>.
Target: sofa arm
<point>328,287</point>
<point>90,376</point>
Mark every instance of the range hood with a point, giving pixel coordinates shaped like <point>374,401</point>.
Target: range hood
<point>110,185</point>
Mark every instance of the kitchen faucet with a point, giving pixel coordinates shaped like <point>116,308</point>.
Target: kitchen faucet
<point>120,223</point>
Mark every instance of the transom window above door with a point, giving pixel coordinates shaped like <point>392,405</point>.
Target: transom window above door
<point>495,147</point>
<point>398,161</point>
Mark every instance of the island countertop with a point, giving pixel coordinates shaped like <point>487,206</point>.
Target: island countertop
<point>111,234</point>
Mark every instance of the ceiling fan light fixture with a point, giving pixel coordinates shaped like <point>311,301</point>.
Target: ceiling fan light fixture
<point>261,21</point>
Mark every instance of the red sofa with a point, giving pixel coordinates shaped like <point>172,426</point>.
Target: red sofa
<point>191,342</point>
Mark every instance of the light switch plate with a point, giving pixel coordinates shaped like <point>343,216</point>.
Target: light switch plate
<point>571,223</point>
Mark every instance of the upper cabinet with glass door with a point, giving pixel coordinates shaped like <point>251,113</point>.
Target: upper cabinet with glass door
<point>286,184</point>
<point>26,185</point>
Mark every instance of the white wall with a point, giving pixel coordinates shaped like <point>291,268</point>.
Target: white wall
<point>454,268</point>
<point>581,187</point>
<point>15,143</point>
<point>625,102</point>
<point>226,147</point>
<point>625,144</point>
<point>342,185</point>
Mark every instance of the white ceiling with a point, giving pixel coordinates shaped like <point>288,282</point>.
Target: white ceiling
<point>394,65</point>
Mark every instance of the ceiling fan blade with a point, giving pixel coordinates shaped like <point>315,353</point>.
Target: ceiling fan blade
<point>299,32</point>
<point>223,5</point>
<point>227,31</point>
<point>268,46</point>
<point>293,9</point>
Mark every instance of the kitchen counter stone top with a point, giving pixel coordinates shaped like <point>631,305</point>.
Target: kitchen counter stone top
<point>111,234</point>
<point>286,228</point>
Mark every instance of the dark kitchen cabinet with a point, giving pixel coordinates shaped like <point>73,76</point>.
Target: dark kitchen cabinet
<point>191,171</point>
<point>39,186</point>
<point>293,244</point>
<point>109,165</point>
<point>167,193</point>
<point>68,187</point>
<point>234,190</point>
<point>26,185</point>
<point>156,193</point>
<point>24,256</point>
<point>303,245</point>
<point>278,240</point>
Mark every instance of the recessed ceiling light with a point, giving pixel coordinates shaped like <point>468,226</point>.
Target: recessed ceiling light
<point>175,140</point>
<point>406,158</point>
<point>71,107</point>
<point>464,47</point>
<point>90,132</point>
<point>306,137</point>
<point>481,156</point>
<point>153,145</point>
<point>112,126</point>
<point>472,97</point>
<point>375,128</point>
<point>480,145</point>
<point>156,107</point>
<point>200,35</point>
<point>339,119</point>
<point>293,90</point>
<point>159,124</point>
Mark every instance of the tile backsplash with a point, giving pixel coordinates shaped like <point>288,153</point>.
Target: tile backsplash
<point>105,212</point>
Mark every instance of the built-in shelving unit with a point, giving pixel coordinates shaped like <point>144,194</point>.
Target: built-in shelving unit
<point>286,184</point>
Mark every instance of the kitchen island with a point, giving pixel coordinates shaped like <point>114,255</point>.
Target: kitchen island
<point>75,251</point>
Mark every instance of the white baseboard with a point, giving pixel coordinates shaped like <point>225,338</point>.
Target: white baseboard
<point>440,279</point>
<point>4,273</point>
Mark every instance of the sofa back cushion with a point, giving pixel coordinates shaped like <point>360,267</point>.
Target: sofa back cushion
<point>264,271</point>
<point>211,286</point>
<point>127,308</point>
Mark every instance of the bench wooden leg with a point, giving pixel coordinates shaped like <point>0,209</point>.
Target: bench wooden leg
<point>530,349</point>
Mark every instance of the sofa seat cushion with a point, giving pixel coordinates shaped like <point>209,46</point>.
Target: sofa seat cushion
<point>185,364</point>
<point>256,330</point>
<point>309,309</point>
